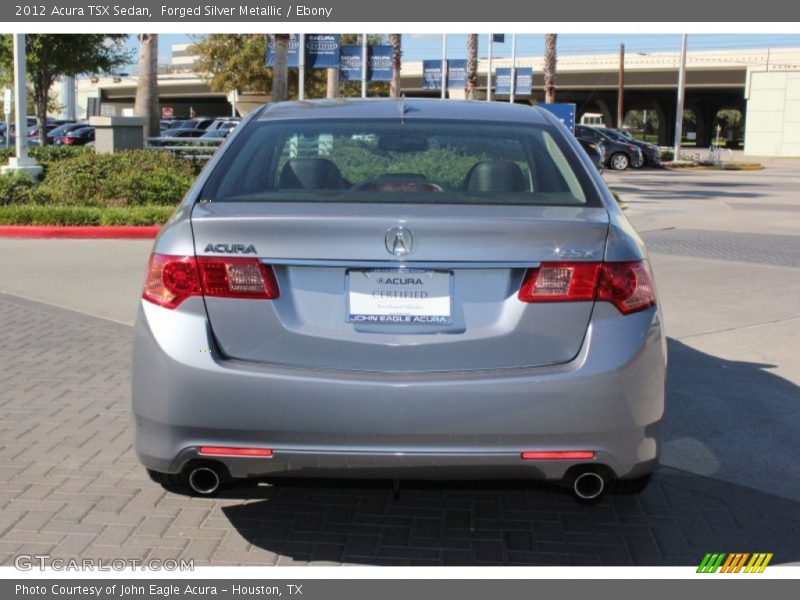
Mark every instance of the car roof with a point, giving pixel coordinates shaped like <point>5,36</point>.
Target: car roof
<point>407,108</point>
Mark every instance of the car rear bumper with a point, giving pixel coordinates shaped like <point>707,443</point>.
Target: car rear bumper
<point>609,399</point>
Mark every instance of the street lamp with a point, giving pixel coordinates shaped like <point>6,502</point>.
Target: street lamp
<point>21,162</point>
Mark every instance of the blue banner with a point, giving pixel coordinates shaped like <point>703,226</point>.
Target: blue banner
<point>350,63</point>
<point>502,80</point>
<point>379,63</point>
<point>499,38</point>
<point>524,81</point>
<point>457,74</point>
<point>293,58</point>
<point>564,111</point>
<point>431,74</point>
<point>322,51</point>
<point>524,77</point>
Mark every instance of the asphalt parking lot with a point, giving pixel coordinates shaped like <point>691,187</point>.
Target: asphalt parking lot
<point>726,253</point>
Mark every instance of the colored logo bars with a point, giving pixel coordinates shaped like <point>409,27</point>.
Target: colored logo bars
<point>734,563</point>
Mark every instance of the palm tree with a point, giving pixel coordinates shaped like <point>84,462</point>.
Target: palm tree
<point>395,39</point>
<point>550,68</point>
<point>333,83</point>
<point>280,75</point>
<point>146,103</point>
<point>472,65</point>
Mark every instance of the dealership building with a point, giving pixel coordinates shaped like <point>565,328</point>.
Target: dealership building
<point>762,84</point>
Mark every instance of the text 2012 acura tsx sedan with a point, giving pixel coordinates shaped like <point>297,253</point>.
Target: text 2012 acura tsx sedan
<point>399,289</point>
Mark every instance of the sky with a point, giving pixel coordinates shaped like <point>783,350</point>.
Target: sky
<point>420,46</point>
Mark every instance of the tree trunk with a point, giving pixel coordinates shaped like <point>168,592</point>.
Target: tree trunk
<point>396,40</point>
<point>472,65</point>
<point>550,60</point>
<point>333,83</point>
<point>280,74</point>
<point>41,97</point>
<point>146,103</point>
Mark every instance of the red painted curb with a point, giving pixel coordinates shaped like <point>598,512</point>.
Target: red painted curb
<point>122,232</point>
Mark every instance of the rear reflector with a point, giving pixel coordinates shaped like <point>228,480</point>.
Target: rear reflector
<point>172,279</point>
<point>627,285</point>
<point>558,455</point>
<point>226,451</point>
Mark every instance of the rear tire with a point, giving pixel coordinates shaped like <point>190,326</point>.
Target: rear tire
<point>620,161</point>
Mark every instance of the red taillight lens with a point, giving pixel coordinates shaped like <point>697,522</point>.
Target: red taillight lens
<point>560,282</point>
<point>557,455</point>
<point>172,279</point>
<point>227,451</point>
<point>237,278</point>
<point>627,285</point>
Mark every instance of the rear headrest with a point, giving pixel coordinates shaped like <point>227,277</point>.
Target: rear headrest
<point>495,176</point>
<point>310,174</point>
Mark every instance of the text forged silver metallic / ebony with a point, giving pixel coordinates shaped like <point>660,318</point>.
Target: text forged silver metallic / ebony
<point>399,289</point>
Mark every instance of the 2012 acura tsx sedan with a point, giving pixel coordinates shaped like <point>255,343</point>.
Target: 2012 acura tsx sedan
<point>399,289</point>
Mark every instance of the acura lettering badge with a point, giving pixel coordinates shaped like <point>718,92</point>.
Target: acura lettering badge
<point>399,241</point>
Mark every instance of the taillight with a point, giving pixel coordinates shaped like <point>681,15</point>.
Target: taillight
<point>237,278</point>
<point>627,285</point>
<point>172,279</point>
<point>560,282</point>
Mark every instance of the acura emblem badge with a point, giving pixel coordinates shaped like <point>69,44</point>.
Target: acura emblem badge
<point>399,241</point>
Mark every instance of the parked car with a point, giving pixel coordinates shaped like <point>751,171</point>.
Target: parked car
<point>595,152</point>
<point>56,136</point>
<point>450,294</point>
<point>650,152</point>
<point>78,137</point>
<point>619,155</point>
<point>224,123</point>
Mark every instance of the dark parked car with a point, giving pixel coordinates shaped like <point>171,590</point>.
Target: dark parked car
<point>650,152</point>
<point>619,155</point>
<point>78,137</point>
<point>56,136</point>
<point>596,154</point>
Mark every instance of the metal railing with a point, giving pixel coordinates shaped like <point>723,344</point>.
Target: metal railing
<point>198,148</point>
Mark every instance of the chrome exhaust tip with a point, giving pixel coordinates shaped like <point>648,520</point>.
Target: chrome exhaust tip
<point>588,485</point>
<point>204,480</point>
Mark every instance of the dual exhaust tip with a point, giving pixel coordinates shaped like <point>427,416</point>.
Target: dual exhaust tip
<point>205,480</point>
<point>588,485</point>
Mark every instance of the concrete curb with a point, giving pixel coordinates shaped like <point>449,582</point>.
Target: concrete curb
<point>121,232</point>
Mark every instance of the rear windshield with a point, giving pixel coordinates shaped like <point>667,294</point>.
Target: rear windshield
<point>416,161</point>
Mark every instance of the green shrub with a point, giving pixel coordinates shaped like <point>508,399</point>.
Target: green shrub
<point>15,188</point>
<point>29,214</point>
<point>47,155</point>
<point>132,178</point>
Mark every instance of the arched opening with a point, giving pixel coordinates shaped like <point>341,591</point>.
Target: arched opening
<point>643,124</point>
<point>728,128</point>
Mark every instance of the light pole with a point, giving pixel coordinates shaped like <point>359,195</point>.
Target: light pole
<point>513,67</point>
<point>21,162</point>
<point>364,66</point>
<point>301,75</point>
<point>489,72</point>
<point>681,88</point>
<point>444,66</point>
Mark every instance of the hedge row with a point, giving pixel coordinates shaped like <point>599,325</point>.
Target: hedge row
<point>83,178</point>
<point>28,214</point>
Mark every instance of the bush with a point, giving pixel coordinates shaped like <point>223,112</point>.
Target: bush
<point>29,214</point>
<point>133,178</point>
<point>16,188</point>
<point>47,155</point>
